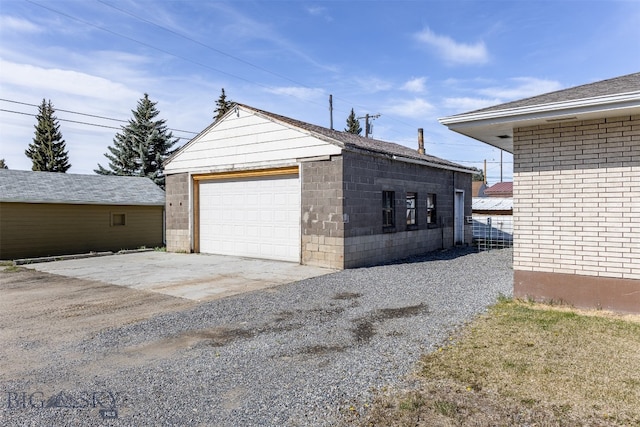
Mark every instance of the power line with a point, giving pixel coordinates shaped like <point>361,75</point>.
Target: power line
<point>203,44</point>
<point>80,114</point>
<point>71,121</point>
<point>195,62</point>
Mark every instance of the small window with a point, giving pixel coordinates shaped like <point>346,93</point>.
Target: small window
<point>387,208</point>
<point>431,210</point>
<point>411,208</point>
<point>118,219</point>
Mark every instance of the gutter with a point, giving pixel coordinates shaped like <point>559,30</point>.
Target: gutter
<point>622,100</point>
<point>431,164</point>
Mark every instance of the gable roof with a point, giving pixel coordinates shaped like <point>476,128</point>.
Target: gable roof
<point>344,140</point>
<point>492,204</point>
<point>500,189</point>
<point>494,125</point>
<point>52,187</point>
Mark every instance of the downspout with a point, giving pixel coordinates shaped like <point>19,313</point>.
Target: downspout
<point>453,229</point>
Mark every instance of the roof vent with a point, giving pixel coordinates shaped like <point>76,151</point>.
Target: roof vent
<point>562,119</point>
<point>504,136</point>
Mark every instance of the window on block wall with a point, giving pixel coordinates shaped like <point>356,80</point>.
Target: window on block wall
<point>431,210</point>
<point>388,208</point>
<point>412,199</point>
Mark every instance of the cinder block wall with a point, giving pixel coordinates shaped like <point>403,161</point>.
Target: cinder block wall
<point>322,226</point>
<point>366,177</point>
<point>177,213</point>
<point>577,201</point>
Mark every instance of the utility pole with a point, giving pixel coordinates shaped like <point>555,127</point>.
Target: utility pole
<point>366,123</point>
<point>331,111</point>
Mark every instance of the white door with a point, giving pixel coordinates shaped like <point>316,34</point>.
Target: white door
<point>251,217</point>
<point>458,217</point>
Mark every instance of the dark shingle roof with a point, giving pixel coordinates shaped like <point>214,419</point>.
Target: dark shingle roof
<point>52,187</point>
<point>617,85</point>
<point>356,142</point>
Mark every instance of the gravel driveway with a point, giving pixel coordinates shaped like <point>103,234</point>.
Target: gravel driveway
<point>297,354</point>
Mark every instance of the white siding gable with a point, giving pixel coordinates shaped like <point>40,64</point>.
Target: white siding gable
<point>244,140</point>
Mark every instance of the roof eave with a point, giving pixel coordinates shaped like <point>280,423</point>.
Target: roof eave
<point>495,127</point>
<point>607,102</point>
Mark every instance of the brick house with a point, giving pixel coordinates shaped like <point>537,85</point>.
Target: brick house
<point>576,190</point>
<point>261,185</point>
<point>48,213</point>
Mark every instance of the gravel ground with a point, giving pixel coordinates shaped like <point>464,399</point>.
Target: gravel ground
<point>299,354</point>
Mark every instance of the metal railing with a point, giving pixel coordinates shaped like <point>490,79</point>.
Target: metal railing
<point>492,231</point>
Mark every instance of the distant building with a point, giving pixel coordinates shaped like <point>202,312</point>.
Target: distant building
<point>49,213</point>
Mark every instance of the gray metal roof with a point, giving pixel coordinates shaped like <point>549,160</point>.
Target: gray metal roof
<point>53,187</point>
<point>492,203</point>
<point>617,85</point>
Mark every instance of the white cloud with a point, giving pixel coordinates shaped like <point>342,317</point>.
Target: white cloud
<point>413,108</point>
<point>468,103</point>
<point>415,85</point>
<point>373,84</point>
<point>18,25</point>
<point>303,93</point>
<point>523,87</point>
<point>454,52</point>
<point>319,11</point>
<point>65,81</point>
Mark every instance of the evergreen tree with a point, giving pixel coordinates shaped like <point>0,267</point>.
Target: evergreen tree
<point>3,165</point>
<point>353,124</point>
<point>48,152</point>
<point>142,145</point>
<point>222,106</point>
<point>478,175</point>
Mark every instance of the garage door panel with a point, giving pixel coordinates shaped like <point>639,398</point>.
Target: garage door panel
<point>256,217</point>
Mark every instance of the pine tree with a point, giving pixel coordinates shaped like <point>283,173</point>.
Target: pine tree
<point>353,124</point>
<point>222,106</point>
<point>142,145</point>
<point>48,151</point>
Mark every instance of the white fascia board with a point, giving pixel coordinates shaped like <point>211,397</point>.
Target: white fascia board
<point>541,111</point>
<point>237,167</point>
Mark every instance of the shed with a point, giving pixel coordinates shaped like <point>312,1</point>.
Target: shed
<point>48,213</point>
<point>576,188</point>
<point>262,185</point>
<point>492,222</point>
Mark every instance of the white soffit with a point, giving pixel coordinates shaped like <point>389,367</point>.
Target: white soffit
<point>495,127</point>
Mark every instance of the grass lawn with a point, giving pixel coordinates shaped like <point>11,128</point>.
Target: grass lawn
<point>525,364</point>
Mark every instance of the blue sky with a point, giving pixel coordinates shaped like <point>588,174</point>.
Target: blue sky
<point>409,61</point>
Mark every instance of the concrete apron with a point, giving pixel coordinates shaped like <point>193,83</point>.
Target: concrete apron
<point>198,277</point>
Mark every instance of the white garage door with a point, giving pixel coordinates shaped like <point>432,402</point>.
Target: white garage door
<point>252,217</point>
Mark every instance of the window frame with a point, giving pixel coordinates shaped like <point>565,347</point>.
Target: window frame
<point>412,217</point>
<point>431,210</point>
<point>388,210</point>
<point>114,223</point>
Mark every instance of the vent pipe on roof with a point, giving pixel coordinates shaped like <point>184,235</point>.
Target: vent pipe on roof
<point>420,141</point>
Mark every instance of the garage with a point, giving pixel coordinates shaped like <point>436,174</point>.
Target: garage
<point>257,217</point>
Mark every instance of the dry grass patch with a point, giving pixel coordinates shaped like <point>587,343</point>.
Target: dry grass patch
<point>525,364</point>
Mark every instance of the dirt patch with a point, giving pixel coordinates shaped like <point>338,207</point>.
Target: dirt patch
<point>346,295</point>
<point>365,327</point>
<point>41,312</point>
